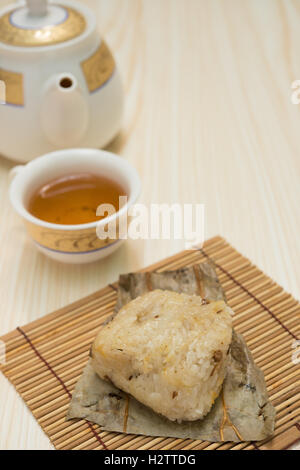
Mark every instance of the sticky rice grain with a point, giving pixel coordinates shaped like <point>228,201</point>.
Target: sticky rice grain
<point>169,351</point>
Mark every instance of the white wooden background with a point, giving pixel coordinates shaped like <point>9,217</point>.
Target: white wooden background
<point>208,119</point>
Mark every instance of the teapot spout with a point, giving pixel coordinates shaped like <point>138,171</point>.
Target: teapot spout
<point>64,112</point>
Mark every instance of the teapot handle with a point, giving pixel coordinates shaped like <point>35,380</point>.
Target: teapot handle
<point>37,7</point>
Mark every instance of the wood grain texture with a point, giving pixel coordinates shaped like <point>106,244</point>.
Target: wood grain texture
<point>46,357</point>
<point>208,119</point>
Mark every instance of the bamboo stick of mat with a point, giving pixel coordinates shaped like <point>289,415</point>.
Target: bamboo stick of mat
<point>44,360</point>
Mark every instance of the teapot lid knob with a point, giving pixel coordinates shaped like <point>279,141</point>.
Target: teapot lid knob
<point>37,7</point>
<point>43,23</point>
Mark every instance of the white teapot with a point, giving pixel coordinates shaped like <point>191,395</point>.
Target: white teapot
<point>59,86</point>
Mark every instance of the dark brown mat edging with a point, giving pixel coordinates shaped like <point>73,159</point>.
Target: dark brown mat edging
<point>35,374</point>
<point>59,380</point>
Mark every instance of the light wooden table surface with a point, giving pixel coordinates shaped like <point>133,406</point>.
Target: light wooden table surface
<point>208,119</point>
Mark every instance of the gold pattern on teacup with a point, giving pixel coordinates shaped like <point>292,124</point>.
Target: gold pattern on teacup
<point>70,241</point>
<point>98,68</point>
<point>14,89</point>
<point>73,26</point>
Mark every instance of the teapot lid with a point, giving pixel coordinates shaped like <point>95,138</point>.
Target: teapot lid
<point>41,23</point>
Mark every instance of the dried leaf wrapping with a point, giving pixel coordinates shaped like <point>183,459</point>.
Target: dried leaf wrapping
<point>242,412</point>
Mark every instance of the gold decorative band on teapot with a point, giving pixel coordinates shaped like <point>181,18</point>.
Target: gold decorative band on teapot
<point>68,241</point>
<point>73,25</point>
<point>98,68</point>
<point>13,89</point>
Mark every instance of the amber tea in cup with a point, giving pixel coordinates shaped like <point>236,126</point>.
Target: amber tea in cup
<point>73,199</point>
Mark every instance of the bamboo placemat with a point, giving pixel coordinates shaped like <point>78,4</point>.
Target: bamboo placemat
<point>46,357</point>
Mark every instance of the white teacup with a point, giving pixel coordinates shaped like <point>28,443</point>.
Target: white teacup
<point>72,243</point>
